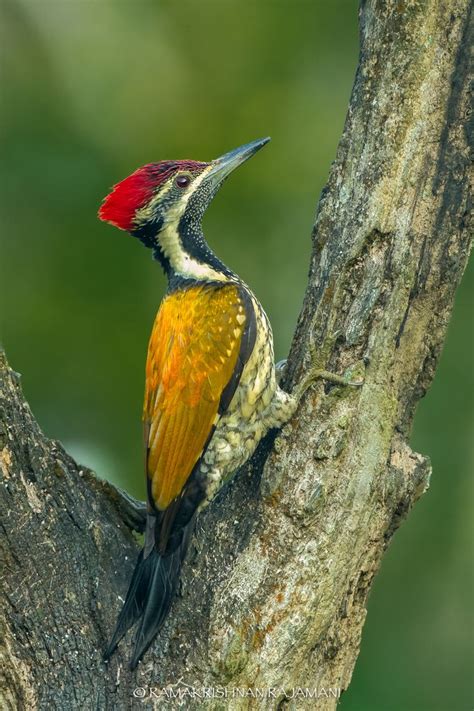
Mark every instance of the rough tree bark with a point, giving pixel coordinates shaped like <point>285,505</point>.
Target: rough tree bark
<point>274,592</point>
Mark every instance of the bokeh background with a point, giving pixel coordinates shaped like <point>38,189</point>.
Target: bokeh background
<point>92,89</point>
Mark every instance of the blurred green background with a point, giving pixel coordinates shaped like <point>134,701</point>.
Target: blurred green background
<point>92,89</point>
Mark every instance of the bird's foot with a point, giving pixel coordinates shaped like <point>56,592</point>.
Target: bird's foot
<point>133,512</point>
<point>317,373</point>
<point>280,369</point>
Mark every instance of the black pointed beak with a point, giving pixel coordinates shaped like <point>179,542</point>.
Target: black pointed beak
<point>223,166</point>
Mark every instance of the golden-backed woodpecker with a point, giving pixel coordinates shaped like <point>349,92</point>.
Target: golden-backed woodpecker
<point>211,388</point>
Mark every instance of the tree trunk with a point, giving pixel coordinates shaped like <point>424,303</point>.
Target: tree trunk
<point>274,590</point>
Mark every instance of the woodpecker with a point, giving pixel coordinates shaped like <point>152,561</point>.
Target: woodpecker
<point>211,390</point>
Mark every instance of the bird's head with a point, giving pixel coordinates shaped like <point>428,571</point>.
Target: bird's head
<point>163,204</point>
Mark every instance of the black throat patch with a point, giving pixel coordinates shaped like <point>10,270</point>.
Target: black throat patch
<point>191,234</point>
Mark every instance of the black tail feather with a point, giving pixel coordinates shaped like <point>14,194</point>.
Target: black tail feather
<point>134,603</point>
<point>161,591</point>
<point>149,597</point>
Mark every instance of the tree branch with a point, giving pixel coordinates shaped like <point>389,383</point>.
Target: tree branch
<point>274,590</point>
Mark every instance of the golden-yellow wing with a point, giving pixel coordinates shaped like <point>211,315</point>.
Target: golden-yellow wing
<point>192,356</point>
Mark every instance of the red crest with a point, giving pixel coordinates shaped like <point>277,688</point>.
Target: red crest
<point>132,193</point>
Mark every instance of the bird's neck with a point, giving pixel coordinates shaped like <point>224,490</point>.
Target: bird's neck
<point>184,253</point>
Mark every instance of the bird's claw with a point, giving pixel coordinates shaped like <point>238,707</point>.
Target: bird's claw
<point>318,373</point>
<point>280,369</point>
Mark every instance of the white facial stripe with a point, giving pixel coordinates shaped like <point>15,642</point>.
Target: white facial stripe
<point>181,262</point>
<point>168,237</point>
<point>146,213</point>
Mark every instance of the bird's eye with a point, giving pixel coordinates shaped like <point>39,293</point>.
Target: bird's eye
<point>182,181</point>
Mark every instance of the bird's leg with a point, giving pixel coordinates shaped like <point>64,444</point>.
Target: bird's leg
<point>280,369</point>
<point>133,512</point>
<point>317,373</point>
